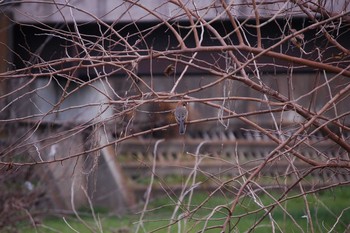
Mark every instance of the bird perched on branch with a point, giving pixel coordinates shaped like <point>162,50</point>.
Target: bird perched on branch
<point>181,114</point>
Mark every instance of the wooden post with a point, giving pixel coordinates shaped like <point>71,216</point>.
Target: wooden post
<point>118,175</point>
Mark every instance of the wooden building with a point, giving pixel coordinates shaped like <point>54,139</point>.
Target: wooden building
<point>54,104</point>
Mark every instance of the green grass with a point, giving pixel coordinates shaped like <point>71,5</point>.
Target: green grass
<point>325,207</point>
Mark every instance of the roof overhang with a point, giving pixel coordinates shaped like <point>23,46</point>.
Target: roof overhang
<point>47,11</point>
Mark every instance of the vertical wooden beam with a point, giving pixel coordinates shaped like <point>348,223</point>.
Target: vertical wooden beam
<point>4,52</point>
<point>118,175</point>
<point>4,41</point>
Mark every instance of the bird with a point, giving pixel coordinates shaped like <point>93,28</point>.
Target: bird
<point>181,114</point>
<point>169,70</point>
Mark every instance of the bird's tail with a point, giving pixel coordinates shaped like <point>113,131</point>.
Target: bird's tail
<point>182,127</point>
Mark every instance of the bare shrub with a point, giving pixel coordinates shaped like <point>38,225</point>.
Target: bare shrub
<point>266,85</point>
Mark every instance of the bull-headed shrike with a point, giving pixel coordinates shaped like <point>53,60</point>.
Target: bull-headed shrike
<point>181,114</point>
